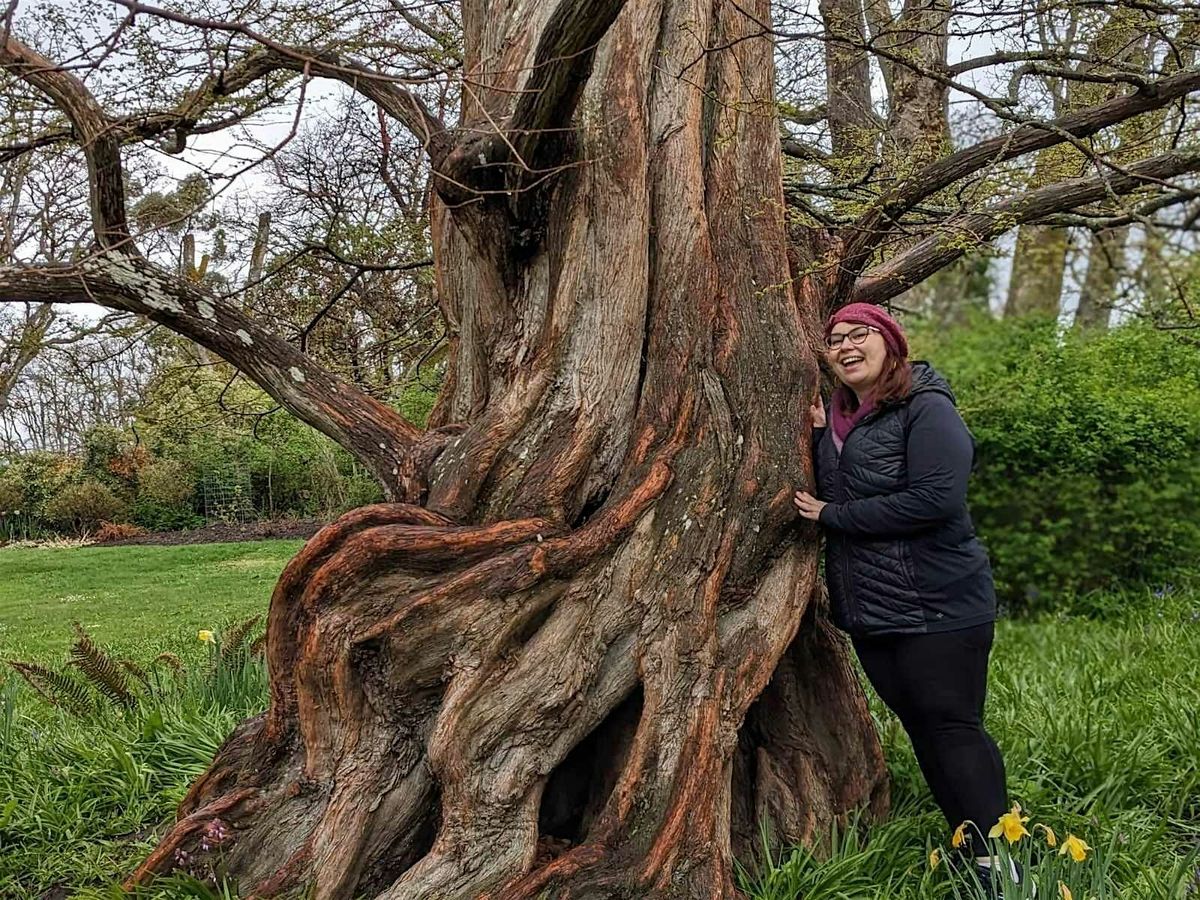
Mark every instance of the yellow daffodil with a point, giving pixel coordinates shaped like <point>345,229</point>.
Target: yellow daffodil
<point>1077,848</point>
<point>1051,837</point>
<point>1064,892</point>
<point>206,636</point>
<point>1011,825</point>
<point>935,857</point>
<point>960,837</point>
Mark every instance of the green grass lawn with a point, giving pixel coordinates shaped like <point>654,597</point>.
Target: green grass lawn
<point>126,596</point>
<point>1099,720</point>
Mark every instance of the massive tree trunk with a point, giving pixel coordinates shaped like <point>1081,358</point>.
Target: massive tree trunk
<point>594,659</point>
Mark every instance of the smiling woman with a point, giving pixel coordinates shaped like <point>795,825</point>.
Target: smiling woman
<point>907,578</point>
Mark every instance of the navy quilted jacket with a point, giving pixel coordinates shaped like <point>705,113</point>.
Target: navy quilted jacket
<point>901,554</point>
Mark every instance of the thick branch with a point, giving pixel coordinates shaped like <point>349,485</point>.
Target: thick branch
<point>1004,58</point>
<point>561,67</point>
<point>810,116</point>
<point>375,434</point>
<point>100,144</point>
<point>969,231</point>
<point>872,227</point>
<point>10,152</point>
<point>798,149</point>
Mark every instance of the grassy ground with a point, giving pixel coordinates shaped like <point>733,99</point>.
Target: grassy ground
<point>127,595</point>
<point>1099,720</point>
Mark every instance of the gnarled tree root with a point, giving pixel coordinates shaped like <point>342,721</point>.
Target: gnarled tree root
<point>442,695</point>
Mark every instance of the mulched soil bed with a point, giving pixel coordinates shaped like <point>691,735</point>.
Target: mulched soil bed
<point>226,534</point>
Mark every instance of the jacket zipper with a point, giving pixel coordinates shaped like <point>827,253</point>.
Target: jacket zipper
<point>855,618</point>
<point>851,600</point>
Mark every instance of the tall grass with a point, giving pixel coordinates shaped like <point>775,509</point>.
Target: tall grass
<point>86,793</point>
<point>1099,721</point>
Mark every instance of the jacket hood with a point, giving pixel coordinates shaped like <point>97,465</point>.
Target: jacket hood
<point>926,378</point>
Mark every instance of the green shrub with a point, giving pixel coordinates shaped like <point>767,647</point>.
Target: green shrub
<point>1088,453</point>
<point>80,508</point>
<point>155,516</point>
<point>12,496</point>
<point>40,475</point>
<point>416,402</point>
<point>166,482</point>
<point>361,490</point>
<point>101,445</point>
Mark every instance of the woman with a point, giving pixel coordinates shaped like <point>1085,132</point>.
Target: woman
<point>907,578</point>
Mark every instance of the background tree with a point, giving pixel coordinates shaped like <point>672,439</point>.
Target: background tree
<point>583,650</point>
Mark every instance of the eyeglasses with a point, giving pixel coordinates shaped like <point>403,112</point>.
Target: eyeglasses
<point>857,336</point>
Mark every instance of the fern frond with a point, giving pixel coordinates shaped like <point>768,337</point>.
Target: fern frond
<point>100,669</point>
<point>171,661</point>
<point>259,647</point>
<point>55,688</point>
<point>136,671</point>
<point>235,636</point>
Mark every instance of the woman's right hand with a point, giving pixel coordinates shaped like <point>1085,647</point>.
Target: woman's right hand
<point>817,411</point>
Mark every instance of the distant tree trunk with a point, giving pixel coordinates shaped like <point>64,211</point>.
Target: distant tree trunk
<point>919,120</point>
<point>1040,260</point>
<point>258,258</point>
<point>603,625</point>
<point>1106,265</point>
<point>1038,269</point>
<point>853,128</point>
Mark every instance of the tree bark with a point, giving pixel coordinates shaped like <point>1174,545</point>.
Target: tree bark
<point>1106,264</point>
<point>595,658</point>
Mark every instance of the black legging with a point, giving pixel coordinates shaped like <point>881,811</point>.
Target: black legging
<point>936,684</point>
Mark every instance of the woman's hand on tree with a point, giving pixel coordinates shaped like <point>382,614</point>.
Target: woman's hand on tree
<point>817,411</point>
<point>808,505</point>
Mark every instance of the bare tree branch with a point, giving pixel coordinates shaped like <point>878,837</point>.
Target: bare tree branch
<point>377,435</point>
<point>400,103</point>
<point>873,226</point>
<point>100,144</point>
<point>968,231</point>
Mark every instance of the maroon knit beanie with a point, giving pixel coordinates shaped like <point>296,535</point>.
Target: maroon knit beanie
<point>876,317</point>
